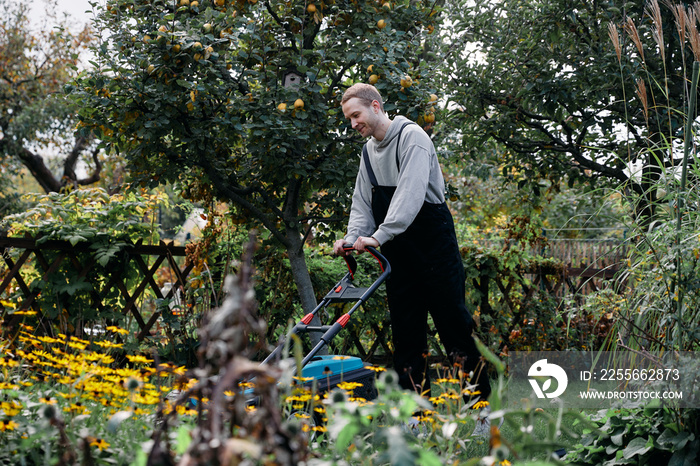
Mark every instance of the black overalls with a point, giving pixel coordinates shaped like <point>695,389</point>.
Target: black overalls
<point>427,276</point>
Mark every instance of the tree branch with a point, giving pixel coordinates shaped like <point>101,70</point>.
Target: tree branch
<point>36,166</point>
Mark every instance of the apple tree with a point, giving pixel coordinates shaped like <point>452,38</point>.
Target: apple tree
<point>240,100</point>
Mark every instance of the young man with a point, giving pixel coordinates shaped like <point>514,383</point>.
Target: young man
<point>399,205</point>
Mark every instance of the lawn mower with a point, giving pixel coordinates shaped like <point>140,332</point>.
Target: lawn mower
<point>327,371</point>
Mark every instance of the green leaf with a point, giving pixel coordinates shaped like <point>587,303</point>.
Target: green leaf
<point>638,446</point>
<point>183,439</point>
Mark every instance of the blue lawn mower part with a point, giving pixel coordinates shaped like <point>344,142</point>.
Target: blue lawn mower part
<point>326,372</point>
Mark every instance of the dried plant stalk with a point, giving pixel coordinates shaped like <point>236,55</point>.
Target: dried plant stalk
<point>654,12</point>
<point>692,27</point>
<point>680,18</point>
<point>615,39</point>
<point>634,35</point>
<point>642,94</point>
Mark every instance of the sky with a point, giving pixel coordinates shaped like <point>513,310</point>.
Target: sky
<point>74,8</point>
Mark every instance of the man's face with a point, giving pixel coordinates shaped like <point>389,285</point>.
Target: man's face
<point>363,119</point>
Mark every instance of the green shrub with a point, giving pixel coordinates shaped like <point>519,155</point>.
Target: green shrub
<point>99,226</point>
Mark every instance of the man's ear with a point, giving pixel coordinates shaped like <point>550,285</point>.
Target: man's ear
<point>376,106</point>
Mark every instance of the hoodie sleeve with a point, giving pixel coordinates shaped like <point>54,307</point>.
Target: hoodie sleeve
<point>411,188</point>
<point>361,222</point>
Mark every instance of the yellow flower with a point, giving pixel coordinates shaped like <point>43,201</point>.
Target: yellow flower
<point>115,329</point>
<point>183,411</point>
<point>8,425</point>
<point>298,398</point>
<point>480,404</point>
<point>9,304</point>
<point>45,339</point>
<point>376,368</point>
<point>349,386</point>
<point>138,359</point>
<point>25,312</point>
<point>303,379</point>
<point>99,443</point>
<point>77,346</point>
<point>452,380</point>
<point>11,409</point>
<point>76,408</point>
<point>108,344</point>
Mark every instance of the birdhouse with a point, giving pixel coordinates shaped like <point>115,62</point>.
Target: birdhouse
<point>292,78</point>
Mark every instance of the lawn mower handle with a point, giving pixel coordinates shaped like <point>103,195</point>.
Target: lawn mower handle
<point>383,262</point>
<point>330,331</point>
<point>340,324</point>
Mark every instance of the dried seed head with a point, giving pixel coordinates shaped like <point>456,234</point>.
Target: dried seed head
<point>692,29</point>
<point>680,19</point>
<point>634,35</point>
<point>615,39</point>
<point>642,94</point>
<point>50,412</point>
<point>654,12</point>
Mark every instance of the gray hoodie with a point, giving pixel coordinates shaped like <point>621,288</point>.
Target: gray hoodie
<point>419,180</point>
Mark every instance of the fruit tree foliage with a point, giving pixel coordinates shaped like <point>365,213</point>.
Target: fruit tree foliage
<point>194,92</point>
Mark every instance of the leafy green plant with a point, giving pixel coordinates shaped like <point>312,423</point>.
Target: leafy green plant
<point>638,436</point>
<point>99,227</point>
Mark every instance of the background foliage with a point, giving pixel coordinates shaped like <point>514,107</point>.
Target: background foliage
<point>36,118</point>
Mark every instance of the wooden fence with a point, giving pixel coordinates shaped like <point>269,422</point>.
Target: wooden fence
<point>587,266</point>
<point>590,264</point>
<point>64,253</point>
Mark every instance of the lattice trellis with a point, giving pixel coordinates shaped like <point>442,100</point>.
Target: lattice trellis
<point>65,251</point>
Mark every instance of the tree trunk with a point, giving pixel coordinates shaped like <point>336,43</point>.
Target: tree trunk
<point>302,280</point>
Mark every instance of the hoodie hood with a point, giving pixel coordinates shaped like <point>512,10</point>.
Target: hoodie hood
<point>391,133</point>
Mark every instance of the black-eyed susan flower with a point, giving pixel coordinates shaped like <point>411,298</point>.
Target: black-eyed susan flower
<point>76,408</point>
<point>138,359</point>
<point>108,344</point>
<point>115,329</point>
<point>376,368</point>
<point>6,425</point>
<point>99,443</point>
<point>447,380</point>
<point>480,404</point>
<point>49,340</point>
<point>349,386</point>
<point>11,408</point>
<point>8,362</point>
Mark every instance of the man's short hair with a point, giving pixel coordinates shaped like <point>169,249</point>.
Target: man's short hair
<point>365,92</point>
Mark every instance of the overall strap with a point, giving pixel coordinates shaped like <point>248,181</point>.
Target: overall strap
<point>368,165</point>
